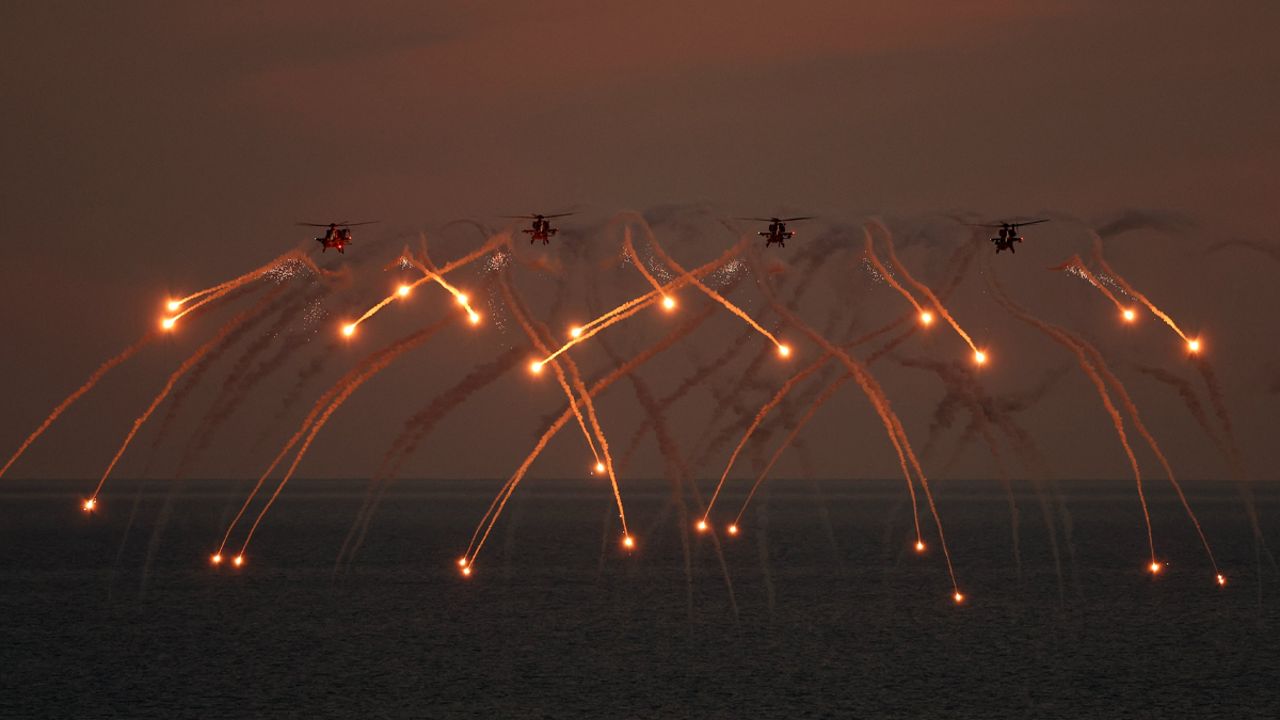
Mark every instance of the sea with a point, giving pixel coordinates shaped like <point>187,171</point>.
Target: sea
<point>819,607</point>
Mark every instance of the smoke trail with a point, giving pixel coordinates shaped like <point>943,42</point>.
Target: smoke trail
<point>227,329</point>
<point>268,303</point>
<point>1271,251</point>
<point>79,392</point>
<point>416,428</point>
<point>1192,344</point>
<point>997,291</point>
<point>924,290</point>
<point>338,393</point>
<point>875,394</point>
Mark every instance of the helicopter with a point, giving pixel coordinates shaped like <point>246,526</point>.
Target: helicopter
<point>541,228</point>
<point>777,232</point>
<point>337,234</point>
<point>1008,234</point>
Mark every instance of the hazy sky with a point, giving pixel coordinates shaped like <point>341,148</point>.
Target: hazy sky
<point>165,145</point>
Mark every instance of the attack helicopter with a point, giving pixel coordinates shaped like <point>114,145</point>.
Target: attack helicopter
<point>1007,233</point>
<point>337,235</point>
<point>777,232</point>
<point>541,228</point>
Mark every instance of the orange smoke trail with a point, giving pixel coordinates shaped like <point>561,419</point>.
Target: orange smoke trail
<point>631,307</point>
<point>1059,335</point>
<point>827,393</point>
<point>339,394</point>
<point>186,365</point>
<point>880,402</point>
<point>212,293</point>
<point>536,339</point>
<point>1076,266</point>
<point>888,276</point>
<point>70,400</point>
<point>630,249</point>
<point>494,511</point>
<point>893,427</point>
<point>979,355</point>
<point>606,466</point>
<point>1193,344</point>
<point>760,416</point>
<point>783,350</point>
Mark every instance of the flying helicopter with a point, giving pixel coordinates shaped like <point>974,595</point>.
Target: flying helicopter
<point>337,235</point>
<point>541,228</point>
<point>1008,233</point>
<point>777,232</point>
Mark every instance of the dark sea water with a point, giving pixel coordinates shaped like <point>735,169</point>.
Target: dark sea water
<point>830,615</point>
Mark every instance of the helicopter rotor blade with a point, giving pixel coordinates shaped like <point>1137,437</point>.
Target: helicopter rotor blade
<point>794,219</point>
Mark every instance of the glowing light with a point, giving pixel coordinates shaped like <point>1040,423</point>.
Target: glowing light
<point>168,322</point>
<point>404,290</point>
<point>926,318</point>
<point>466,571</point>
<point>462,562</point>
<point>461,298</point>
<point>668,303</point>
<point>237,560</point>
<point>1154,567</point>
<point>628,542</point>
<point>535,367</point>
<point>1222,580</point>
<point>349,329</point>
<point>216,558</point>
<point>575,331</point>
<point>733,529</point>
<point>958,597</point>
<point>980,357</point>
<point>173,305</point>
<point>599,467</point>
<point>1193,345</point>
<point>89,504</point>
<point>1129,315</point>
<point>474,317</point>
<point>784,350</point>
<point>919,546</point>
<point>702,526</point>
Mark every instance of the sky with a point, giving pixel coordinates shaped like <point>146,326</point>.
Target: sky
<point>154,147</point>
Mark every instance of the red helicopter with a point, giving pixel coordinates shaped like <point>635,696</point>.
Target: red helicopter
<point>337,235</point>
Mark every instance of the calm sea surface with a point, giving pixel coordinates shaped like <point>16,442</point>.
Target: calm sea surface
<point>819,609</point>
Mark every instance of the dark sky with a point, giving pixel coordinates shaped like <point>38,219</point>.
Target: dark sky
<point>158,146</point>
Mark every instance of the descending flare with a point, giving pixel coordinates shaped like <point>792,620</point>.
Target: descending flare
<point>216,558</point>
<point>89,504</point>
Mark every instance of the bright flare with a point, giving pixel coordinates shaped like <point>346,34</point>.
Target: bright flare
<point>216,558</point>
<point>168,322</point>
<point>628,542</point>
<point>237,560</point>
<point>959,597</point>
<point>1129,315</point>
<point>404,290</point>
<point>702,527</point>
<point>575,331</point>
<point>535,367</point>
<point>919,546</point>
<point>1193,345</point>
<point>466,571</point>
<point>1154,567</point>
<point>349,329</point>
<point>980,357</point>
<point>474,317</point>
<point>461,298</point>
<point>668,303</point>
<point>784,350</point>
<point>733,529</point>
<point>599,467</point>
<point>926,318</point>
<point>1221,579</point>
<point>173,305</point>
<point>89,504</point>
